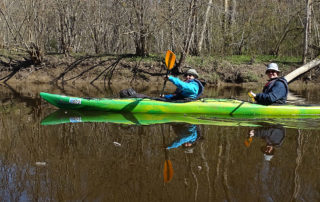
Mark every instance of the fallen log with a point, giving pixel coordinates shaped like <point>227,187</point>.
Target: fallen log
<point>303,69</point>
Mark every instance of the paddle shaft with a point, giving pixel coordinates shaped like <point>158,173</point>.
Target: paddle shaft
<point>164,83</point>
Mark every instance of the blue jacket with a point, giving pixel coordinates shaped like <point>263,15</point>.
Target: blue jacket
<point>187,134</point>
<point>185,89</point>
<point>273,135</point>
<point>275,91</point>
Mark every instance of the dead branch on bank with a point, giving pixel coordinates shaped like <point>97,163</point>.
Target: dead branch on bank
<point>107,72</point>
<point>88,70</point>
<point>15,67</point>
<point>34,57</point>
<point>70,67</point>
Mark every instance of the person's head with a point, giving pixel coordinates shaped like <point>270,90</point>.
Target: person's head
<point>188,144</point>
<point>189,147</point>
<point>268,152</point>
<point>191,74</point>
<point>272,70</point>
<point>268,149</point>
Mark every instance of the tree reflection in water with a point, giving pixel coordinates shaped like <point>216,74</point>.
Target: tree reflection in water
<point>83,163</point>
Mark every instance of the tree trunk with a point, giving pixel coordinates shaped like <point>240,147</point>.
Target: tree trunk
<point>228,18</point>
<point>172,42</point>
<point>204,26</point>
<point>297,177</point>
<point>188,38</point>
<point>224,25</point>
<point>307,31</point>
<point>141,36</point>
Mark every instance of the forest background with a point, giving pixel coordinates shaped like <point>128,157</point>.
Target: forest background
<point>225,40</point>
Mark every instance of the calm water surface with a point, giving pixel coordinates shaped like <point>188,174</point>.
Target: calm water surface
<point>105,160</point>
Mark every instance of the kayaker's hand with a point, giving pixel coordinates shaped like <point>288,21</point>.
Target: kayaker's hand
<point>248,140</point>
<point>251,133</point>
<point>252,94</point>
<point>166,77</point>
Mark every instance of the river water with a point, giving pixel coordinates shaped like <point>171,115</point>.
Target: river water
<point>123,157</point>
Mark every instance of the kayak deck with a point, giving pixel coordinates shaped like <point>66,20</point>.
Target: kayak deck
<point>203,106</point>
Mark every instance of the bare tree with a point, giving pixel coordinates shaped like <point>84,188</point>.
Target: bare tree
<point>307,30</point>
<point>141,26</point>
<point>138,26</point>
<point>204,26</point>
<point>68,12</point>
<point>26,33</point>
<point>190,29</point>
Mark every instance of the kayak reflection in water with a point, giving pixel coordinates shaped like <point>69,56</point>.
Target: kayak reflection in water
<point>187,136</point>
<point>273,135</point>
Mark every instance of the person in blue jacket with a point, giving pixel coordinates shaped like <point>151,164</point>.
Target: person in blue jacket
<point>190,88</point>
<point>187,135</point>
<point>276,89</point>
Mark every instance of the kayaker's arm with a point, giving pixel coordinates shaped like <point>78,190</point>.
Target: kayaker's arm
<point>272,135</point>
<point>191,87</point>
<point>189,136</point>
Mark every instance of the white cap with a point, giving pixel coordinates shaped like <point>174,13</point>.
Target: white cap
<point>267,157</point>
<point>189,151</point>
<point>273,66</point>
<point>193,72</point>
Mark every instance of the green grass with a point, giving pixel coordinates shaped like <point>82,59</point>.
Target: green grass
<point>150,58</point>
<point>200,61</point>
<point>238,59</point>
<point>242,59</point>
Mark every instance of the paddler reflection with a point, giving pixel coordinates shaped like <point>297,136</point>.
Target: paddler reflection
<point>273,136</point>
<point>187,136</point>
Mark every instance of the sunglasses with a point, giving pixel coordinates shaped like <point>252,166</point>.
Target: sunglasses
<point>188,75</point>
<point>271,71</point>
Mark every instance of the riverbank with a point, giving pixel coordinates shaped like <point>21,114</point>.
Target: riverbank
<point>130,70</point>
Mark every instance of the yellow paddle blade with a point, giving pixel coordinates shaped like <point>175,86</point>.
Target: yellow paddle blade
<point>167,171</point>
<point>247,142</point>
<point>170,59</point>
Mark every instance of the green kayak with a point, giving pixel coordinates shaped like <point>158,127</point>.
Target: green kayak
<point>203,106</point>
